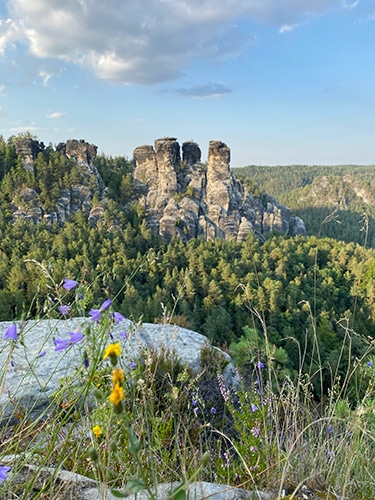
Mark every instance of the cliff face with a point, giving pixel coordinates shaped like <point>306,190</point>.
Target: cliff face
<point>181,195</point>
<point>27,205</point>
<point>187,198</point>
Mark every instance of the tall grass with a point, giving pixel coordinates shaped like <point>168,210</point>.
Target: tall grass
<point>133,423</point>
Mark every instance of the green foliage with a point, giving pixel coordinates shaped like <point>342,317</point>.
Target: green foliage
<point>333,201</point>
<point>134,423</point>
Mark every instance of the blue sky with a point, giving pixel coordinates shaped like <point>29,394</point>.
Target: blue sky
<point>279,81</point>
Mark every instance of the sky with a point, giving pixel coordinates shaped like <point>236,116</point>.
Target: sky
<point>280,82</point>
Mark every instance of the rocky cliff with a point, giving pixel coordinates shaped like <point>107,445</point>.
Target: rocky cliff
<point>187,198</point>
<point>181,196</point>
<point>26,203</point>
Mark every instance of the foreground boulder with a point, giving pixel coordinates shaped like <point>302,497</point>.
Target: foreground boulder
<point>32,369</point>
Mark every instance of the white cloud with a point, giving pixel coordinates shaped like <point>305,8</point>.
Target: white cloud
<point>45,77</point>
<point>145,41</point>
<point>21,129</point>
<point>349,5</point>
<point>204,91</point>
<point>55,115</point>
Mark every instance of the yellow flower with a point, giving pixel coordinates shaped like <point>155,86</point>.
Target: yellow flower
<point>96,430</point>
<point>117,394</point>
<point>112,350</point>
<point>118,375</point>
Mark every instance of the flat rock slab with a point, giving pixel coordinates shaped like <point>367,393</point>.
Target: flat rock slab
<point>33,369</point>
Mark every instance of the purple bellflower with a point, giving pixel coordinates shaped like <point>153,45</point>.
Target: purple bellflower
<point>118,317</point>
<point>69,284</point>
<point>3,472</point>
<point>64,310</point>
<point>96,314</point>
<point>62,344</point>
<point>11,332</point>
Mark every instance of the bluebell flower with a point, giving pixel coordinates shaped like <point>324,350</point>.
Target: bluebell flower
<point>260,365</point>
<point>254,408</point>
<point>213,410</point>
<point>370,364</point>
<point>69,284</point>
<point>118,317</point>
<point>3,472</point>
<point>11,332</point>
<point>41,354</point>
<point>61,344</point>
<point>133,365</point>
<point>96,314</point>
<point>106,304</point>
<point>75,337</point>
<point>64,310</point>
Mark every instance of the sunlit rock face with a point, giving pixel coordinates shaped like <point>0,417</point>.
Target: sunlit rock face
<point>189,198</point>
<point>26,203</point>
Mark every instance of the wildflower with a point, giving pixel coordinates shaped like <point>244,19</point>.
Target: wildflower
<point>96,430</point>
<point>41,354</point>
<point>329,429</point>
<point>118,375</point>
<point>370,363</point>
<point>117,394</point>
<point>133,365</point>
<point>118,317</point>
<point>123,335</point>
<point>260,365</point>
<point>255,431</point>
<point>213,410</point>
<point>105,305</point>
<point>96,314</point>
<point>3,472</point>
<point>195,402</point>
<point>254,408</point>
<point>64,310</point>
<point>69,284</point>
<point>112,350</point>
<point>11,332</point>
<point>195,410</point>
<point>75,337</point>
<point>61,344</point>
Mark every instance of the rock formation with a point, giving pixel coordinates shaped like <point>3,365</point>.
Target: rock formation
<point>181,196</point>
<point>189,199</point>
<point>26,203</point>
<point>28,149</point>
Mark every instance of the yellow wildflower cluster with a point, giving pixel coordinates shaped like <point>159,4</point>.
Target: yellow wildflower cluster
<point>96,430</point>
<point>117,394</point>
<point>118,375</point>
<point>112,350</point>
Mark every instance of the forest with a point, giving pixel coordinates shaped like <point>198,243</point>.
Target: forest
<point>301,291</point>
<point>342,194</point>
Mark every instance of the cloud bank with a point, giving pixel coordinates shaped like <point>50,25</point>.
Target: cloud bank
<point>148,41</point>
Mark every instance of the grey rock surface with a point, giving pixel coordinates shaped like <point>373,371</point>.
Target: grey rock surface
<point>33,368</point>
<point>66,485</point>
<point>188,199</point>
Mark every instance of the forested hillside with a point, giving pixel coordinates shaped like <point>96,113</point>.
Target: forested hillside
<point>334,201</point>
<point>312,295</point>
